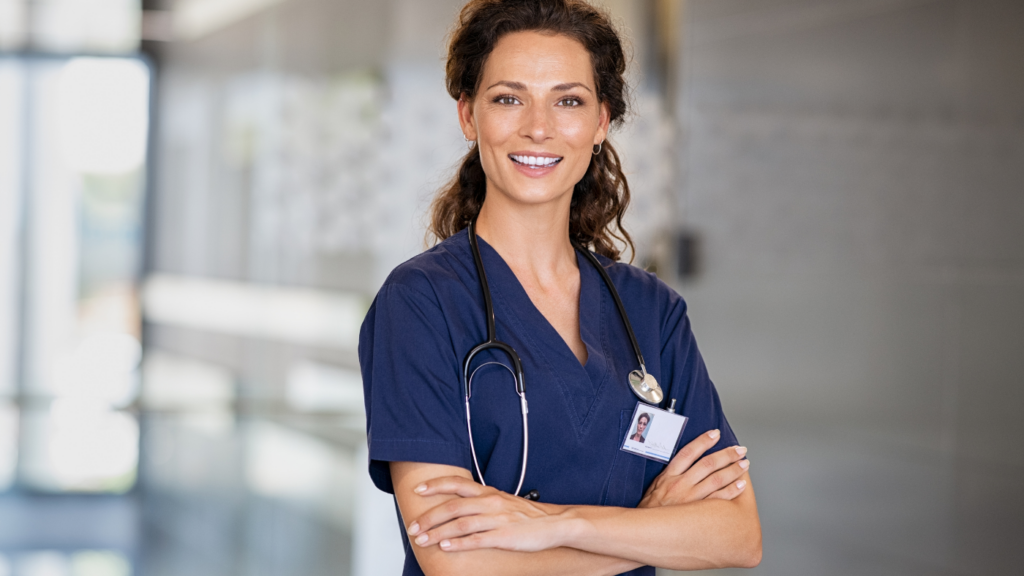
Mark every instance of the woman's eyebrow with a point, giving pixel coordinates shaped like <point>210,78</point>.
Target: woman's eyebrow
<point>557,88</point>
<point>570,86</point>
<point>510,85</point>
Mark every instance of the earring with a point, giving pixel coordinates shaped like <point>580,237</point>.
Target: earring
<point>597,148</point>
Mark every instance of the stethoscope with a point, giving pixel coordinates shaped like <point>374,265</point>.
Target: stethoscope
<point>644,385</point>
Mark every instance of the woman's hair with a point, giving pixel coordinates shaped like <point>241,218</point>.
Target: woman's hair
<point>645,416</point>
<point>600,198</point>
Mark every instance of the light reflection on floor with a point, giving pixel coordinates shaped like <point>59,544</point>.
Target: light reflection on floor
<point>53,563</point>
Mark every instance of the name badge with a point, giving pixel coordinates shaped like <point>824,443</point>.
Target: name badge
<point>653,433</point>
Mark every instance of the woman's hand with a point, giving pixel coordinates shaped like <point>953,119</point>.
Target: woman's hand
<point>484,517</point>
<point>713,476</point>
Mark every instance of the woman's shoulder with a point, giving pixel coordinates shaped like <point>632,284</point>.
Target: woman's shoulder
<point>635,283</point>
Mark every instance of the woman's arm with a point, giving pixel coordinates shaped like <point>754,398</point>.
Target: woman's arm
<point>434,560</point>
<point>673,531</point>
<point>711,533</point>
<point>705,534</point>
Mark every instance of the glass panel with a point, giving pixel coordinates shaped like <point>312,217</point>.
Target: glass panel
<point>11,91</point>
<point>90,120</point>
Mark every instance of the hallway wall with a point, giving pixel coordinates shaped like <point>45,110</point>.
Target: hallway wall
<point>855,172</point>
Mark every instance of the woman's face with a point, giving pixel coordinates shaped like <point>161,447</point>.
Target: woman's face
<point>536,117</point>
<point>641,425</point>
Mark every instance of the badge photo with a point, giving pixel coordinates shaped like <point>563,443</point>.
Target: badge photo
<point>653,433</point>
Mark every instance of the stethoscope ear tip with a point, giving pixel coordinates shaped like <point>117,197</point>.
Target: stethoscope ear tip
<point>532,495</point>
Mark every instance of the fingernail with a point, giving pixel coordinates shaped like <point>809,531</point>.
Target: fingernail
<point>744,464</point>
<point>414,528</point>
<point>713,434</point>
<point>741,450</point>
<point>419,488</point>
<point>421,539</point>
<point>445,544</point>
<point>741,484</point>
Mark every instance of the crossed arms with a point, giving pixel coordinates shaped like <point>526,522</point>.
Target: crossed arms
<point>696,514</point>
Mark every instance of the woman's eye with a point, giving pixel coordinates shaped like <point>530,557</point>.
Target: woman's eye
<point>506,100</point>
<point>570,102</point>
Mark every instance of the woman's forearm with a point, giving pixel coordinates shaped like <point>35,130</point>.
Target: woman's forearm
<point>557,561</point>
<point>699,535</point>
<point>461,527</point>
<point>436,561</point>
<point>609,540</point>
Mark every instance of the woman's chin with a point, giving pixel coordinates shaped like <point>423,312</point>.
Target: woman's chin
<point>530,194</point>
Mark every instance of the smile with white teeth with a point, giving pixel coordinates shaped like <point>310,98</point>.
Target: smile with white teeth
<point>535,161</point>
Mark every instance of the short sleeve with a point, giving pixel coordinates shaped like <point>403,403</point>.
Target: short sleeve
<point>697,398</point>
<point>410,384</point>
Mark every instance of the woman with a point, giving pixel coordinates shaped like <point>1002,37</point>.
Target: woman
<point>538,83</point>
<point>641,425</point>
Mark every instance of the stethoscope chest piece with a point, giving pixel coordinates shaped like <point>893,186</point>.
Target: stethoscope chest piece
<point>645,387</point>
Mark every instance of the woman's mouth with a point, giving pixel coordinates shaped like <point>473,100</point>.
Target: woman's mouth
<point>535,162</point>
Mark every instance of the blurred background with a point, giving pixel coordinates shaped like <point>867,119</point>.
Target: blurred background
<point>199,199</point>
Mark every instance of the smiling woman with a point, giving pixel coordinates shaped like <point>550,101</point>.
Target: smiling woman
<point>592,86</point>
<point>539,83</point>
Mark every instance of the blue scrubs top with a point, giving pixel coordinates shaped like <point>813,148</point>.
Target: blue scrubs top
<point>430,313</point>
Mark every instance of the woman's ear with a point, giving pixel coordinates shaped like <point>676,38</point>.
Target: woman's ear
<point>602,124</point>
<point>466,120</point>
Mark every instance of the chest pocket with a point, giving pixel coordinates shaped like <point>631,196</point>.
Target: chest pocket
<point>625,484</point>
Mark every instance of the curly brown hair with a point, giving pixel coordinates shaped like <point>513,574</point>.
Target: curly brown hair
<point>600,198</point>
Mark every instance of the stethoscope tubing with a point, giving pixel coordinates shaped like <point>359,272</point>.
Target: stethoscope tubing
<point>526,428</point>
<point>618,303</point>
<point>492,342</point>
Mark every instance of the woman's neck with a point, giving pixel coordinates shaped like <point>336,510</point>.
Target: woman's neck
<point>532,239</point>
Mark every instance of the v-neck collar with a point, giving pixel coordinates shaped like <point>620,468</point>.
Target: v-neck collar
<point>580,383</point>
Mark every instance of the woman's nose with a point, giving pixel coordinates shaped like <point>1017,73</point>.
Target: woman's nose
<point>537,123</point>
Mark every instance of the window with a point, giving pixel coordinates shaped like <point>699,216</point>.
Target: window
<point>71,190</point>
